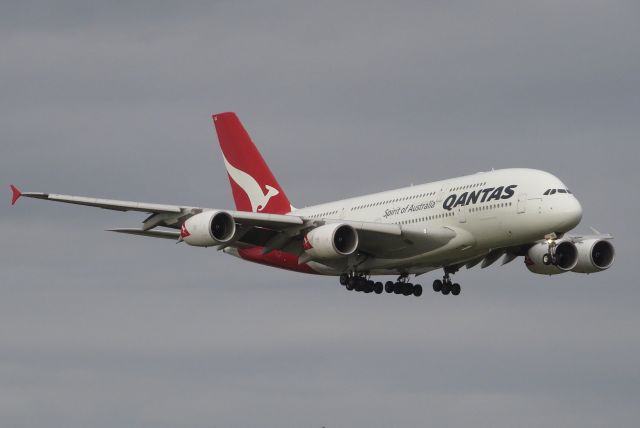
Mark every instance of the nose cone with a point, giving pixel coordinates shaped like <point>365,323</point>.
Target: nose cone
<point>570,215</point>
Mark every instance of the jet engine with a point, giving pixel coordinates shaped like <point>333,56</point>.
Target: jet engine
<point>594,255</point>
<point>208,228</point>
<point>566,257</point>
<point>331,241</point>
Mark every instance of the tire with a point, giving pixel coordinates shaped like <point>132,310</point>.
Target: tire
<point>437,286</point>
<point>344,278</point>
<point>455,289</point>
<point>351,283</point>
<point>368,288</point>
<point>388,286</point>
<point>446,288</point>
<point>378,288</point>
<point>397,288</point>
<point>408,289</point>
<point>417,290</point>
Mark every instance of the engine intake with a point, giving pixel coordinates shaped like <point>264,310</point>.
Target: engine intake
<point>594,255</point>
<point>208,229</point>
<point>331,241</point>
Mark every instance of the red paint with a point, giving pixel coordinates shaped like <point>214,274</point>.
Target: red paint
<point>275,258</point>
<point>183,231</point>
<point>306,245</point>
<point>528,261</point>
<point>15,194</point>
<point>240,152</point>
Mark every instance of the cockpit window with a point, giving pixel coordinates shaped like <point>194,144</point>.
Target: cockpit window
<point>547,192</point>
<point>569,192</point>
<point>553,192</point>
<point>562,191</point>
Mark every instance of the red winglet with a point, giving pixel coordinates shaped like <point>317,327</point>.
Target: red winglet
<point>15,194</point>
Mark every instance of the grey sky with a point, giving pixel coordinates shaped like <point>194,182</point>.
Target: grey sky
<point>114,100</point>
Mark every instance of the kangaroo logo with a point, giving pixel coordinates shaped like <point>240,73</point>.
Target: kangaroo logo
<point>257,197</point>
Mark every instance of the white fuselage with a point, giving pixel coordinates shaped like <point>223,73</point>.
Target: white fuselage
<point>487,210</point>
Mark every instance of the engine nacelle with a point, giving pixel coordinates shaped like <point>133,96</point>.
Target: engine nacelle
<point>594,255</point>
<point>566,255</point>
<point>208,228</point>
<point>331,241</point>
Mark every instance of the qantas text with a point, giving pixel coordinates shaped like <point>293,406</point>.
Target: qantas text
<point>481,195</point>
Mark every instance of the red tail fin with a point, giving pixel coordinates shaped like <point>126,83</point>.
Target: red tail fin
<point>253,185</point>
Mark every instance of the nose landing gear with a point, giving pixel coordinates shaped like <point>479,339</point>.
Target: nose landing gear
<point>549,258</point>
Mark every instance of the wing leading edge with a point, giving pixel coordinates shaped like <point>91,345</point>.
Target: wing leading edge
<point>270,231</point>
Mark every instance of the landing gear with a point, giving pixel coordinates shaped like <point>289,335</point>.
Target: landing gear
<point>455,289</point>
<point>388,286</point>
<point>446,286</point>
<point>417,290</point>
<point>403,286</point>
<point>550,258</point>
<point>377,288</point>
<point>344,278</point>
<point>359,282</point>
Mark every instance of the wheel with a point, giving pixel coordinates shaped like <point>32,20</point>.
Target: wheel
<point>546,259</point>
<point>378,287</point>
<point>437,286</point>
<point>360,283</point>
<point>417,290</point>
<point>344,278</point>
<point>455,289</point>
<point>388,286</point>
<point>351,283</point>
<point>397,288</point>
<point>368,288</point>
<point>408,289</point>
<point>446,288</point>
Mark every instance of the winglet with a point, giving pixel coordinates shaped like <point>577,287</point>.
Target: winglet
<point>15,194</point>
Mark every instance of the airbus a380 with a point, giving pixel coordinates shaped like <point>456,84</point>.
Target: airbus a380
<point>448,224</point>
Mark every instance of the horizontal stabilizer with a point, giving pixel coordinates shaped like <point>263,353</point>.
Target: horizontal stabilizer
<point>150,233</point>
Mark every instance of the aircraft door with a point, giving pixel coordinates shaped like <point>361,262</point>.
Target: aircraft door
<point>441,193</point>
<point>522,203</point>
<point>461,214</point>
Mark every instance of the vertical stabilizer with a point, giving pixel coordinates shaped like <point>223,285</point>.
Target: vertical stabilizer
<point>253,185</point>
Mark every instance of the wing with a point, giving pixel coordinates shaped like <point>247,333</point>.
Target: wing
<point>512,253</point>
<point>270,231</point>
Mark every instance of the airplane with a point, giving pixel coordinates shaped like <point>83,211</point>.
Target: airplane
<point>448,224</point>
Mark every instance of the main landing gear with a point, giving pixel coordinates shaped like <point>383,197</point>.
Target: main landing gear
<point>359,282</point>
<point>446,286</point>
